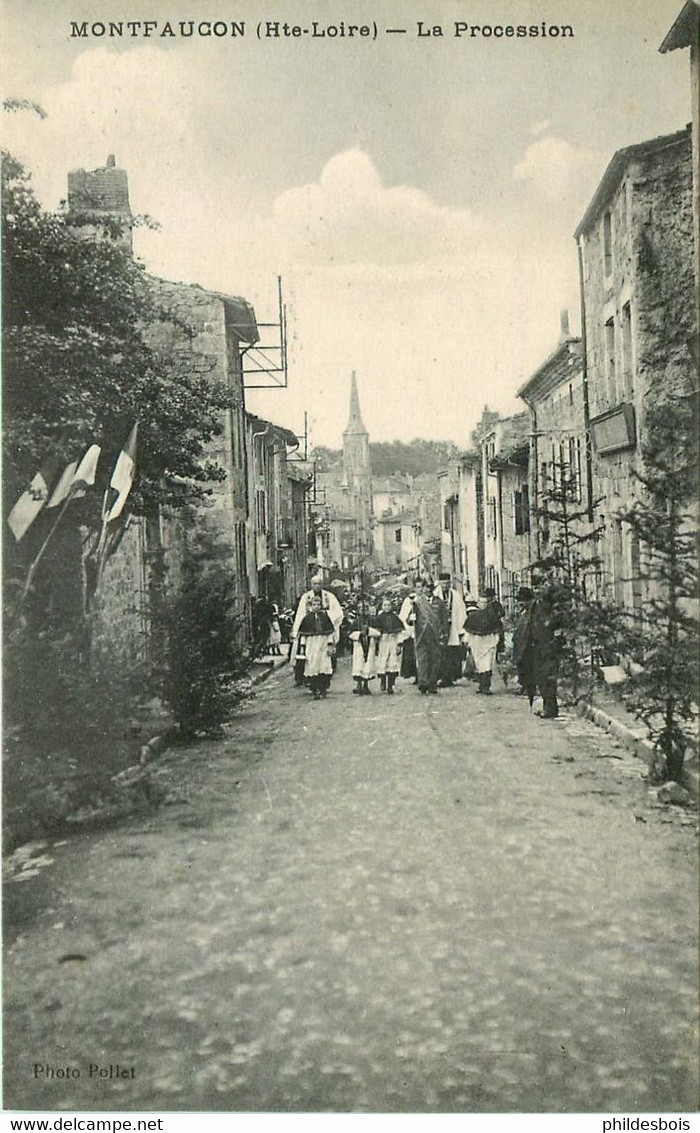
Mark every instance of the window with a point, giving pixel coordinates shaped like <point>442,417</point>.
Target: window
<point>610,360</point>
<point>627,381</point>
<point>241,550</point>
<point>397,535</point>
<point>521,510</point>
<point>575,468</point>
<point>492,518</point>
<point>622,207</point>
<point>607,244</point>
<point>261,510</point>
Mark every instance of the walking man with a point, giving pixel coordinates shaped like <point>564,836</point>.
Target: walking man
<point>432,629</point>
<point>332,607</point>
<point>448,589</point>
<point>483,629</point>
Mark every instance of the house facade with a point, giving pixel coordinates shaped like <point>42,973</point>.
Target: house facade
<point>636,249</point>
<point>555,397</point>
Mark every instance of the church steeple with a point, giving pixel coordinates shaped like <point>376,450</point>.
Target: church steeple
<point>355,425</point>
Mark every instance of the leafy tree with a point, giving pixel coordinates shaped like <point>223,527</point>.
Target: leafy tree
<point>89,348</point>
<point>78,366</point>
<point>204,629</point>
<point>389,458</point>
<point>665,693</point>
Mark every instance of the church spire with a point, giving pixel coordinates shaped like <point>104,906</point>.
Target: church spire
<point>355,424</point>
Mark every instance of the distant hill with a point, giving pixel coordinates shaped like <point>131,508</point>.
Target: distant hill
<point>389,458</point>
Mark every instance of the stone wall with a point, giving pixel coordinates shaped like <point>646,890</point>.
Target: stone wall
<point>119,611</point>
<point>640,316</point>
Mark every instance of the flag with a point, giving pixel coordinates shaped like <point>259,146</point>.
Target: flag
<point>122,479</point>
<point>33,498</point>
<point>62,488</point>
<point>76,477</point>
<point>84,475</point>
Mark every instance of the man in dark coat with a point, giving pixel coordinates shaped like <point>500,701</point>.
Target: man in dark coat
<point>523,655</point>
<point>432,629</point>
<point>538,649</point>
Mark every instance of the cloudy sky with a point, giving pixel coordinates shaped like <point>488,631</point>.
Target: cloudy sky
<point>418,195</point>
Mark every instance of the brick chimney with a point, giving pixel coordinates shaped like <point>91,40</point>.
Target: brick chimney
<point>564,331</point>
<point>101,193</point>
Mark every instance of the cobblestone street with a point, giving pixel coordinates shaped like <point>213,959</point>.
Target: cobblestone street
<point>388,904</point>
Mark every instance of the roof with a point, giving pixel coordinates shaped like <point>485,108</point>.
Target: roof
<point>685,29</point>
<point>238,312</point>
<point>514,441</point>
<point>616,168</point>
<point>390,484</point>
<point>240,317</point>
<point>570,346</point>
<point>260,425</point>
<point>517,454</point>
<point>355,420</point>
<point>401,519</point>
<point>471,456</point>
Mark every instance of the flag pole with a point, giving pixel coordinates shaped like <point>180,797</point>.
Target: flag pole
<point>44,545</point>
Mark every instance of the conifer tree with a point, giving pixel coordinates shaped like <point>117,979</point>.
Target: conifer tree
<point>570,564</point>
<point>665,693</point>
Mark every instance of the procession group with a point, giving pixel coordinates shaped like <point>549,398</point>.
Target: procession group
<point>437,636</point>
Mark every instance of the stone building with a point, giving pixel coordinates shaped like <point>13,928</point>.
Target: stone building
<point>450,536</point>
<point>98,201</point>
<point>471,521</point>
<point>391,495</point>
<point>685,32</point>
<point>276,525</point>
<point>344,508</point>
<point>219,328</point>
<point>504,452</point>
<point>636,252</point>
<point>554,394</point>
<point>398,541</point>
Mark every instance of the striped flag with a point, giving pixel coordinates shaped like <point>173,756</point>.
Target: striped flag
<point>60,492</point>
<point>76,478</point>
<point>84,475</point>
<point>122,479</point>
<point>33,499</point>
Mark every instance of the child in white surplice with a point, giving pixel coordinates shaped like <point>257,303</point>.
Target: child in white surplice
<point>364,636</point>
<point>316,643</point>
<point>392,630</point>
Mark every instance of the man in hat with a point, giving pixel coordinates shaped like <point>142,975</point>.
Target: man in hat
<point>331,605</point>
<point>431,629</point>
<point>537,645</point>
<point>449,590</point>
<point>523,656</point>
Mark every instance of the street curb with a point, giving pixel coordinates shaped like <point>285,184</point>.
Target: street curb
<point>641,747</point>
<point>162,741</point>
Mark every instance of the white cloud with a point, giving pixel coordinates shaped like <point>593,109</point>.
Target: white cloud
<point>555,168</point>
<point>136,104</point>
<point>540,126</point>
<point>349,216</point>
<point>431,305</point>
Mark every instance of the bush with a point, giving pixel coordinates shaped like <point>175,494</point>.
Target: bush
<point>66,727</point>
<point>205,654</point>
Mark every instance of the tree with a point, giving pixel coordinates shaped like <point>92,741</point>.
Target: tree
<point>571,562</point>
<point>203,658</point>
<point>665,693</point>
<point>78,368</point>
<point>82,364</point>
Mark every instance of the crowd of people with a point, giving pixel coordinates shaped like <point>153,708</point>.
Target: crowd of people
<point>436,635</point>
